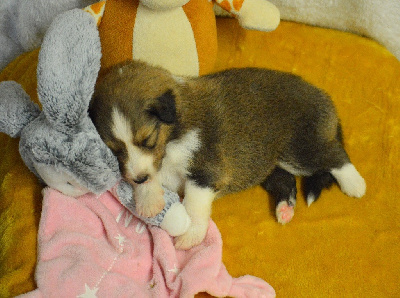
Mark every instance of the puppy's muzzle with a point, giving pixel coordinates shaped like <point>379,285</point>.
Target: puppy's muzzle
<point>141,179</point>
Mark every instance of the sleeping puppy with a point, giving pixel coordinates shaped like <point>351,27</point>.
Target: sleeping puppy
<point>221,133</point>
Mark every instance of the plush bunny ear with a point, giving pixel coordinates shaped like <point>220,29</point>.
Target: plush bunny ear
<point>16,108</point>
<point>69,62</point>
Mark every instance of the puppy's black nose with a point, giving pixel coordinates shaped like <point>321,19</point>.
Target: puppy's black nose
<point>141,179</point>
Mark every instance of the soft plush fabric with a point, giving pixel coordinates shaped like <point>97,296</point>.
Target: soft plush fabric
<point>337,247</point>
<point>133,22</point>
<point>183,38</point>
<point>93,245</point>
<point>62,140</point>
<point>373,18</point>
<point>27,23</point>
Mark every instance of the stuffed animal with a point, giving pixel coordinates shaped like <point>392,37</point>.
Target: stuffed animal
<point>183,33</point>
<point>60,143</point>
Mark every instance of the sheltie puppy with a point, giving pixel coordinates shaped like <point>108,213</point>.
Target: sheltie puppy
<point>221,133</point>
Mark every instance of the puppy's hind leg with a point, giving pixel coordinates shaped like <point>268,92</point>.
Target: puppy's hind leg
<point>349,180</point>
<point>281,185</point>
<point>333,164</point>
<point>347,176</point>
<point>313,185</point>
<point>327,156</point>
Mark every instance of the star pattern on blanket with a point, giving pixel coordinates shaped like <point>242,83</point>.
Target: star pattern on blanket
<point>121,239</point>
<point>89,293</point>
<point>174,270</point>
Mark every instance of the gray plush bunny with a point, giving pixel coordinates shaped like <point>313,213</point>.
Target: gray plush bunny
<point>60,144</point>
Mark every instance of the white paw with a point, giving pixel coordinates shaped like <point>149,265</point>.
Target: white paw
<point>354,188</point>
<point>284,212</point>
<point>149,200</point>
<point>176,221</point>
<point>194,236</point>
<point>350,181</point>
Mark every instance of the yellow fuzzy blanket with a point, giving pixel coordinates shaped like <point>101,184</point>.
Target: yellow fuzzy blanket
<point>338,247</point>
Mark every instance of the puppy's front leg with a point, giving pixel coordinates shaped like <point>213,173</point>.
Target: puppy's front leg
<point>197,201</point>
<point>149,198</point>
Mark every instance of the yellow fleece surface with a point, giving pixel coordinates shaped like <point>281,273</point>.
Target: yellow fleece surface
<point>337,247</point>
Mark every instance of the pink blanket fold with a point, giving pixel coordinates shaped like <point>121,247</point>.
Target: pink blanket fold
<point>93,247</point>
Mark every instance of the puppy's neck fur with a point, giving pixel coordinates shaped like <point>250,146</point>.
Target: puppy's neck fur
<point>176,162</point>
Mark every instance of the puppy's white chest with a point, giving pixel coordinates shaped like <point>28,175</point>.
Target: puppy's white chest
<point>178,155</point>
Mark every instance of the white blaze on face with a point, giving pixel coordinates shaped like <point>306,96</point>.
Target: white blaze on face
<point>138,162</point>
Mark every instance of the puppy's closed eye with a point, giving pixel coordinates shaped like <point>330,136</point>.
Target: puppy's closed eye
<point>149,142</point>
<point>147,137</point>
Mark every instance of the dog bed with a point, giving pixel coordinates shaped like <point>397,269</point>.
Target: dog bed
<point>337,247</point>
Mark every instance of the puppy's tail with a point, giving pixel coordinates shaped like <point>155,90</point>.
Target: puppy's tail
<point>313,185</point>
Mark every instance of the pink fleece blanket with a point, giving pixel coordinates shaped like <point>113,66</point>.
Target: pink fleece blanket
<point>93,247</point>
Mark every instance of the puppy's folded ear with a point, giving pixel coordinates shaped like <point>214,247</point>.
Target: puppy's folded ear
<point>164,107</point>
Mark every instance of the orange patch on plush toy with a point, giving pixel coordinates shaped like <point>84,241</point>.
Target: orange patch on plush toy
<point>237,4</point>
<point>232,6</point>
<point>205,31</point>
<point>116,31</point>
<point>98,7</point>
<point>96,10</point>
<point>226,5</point>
